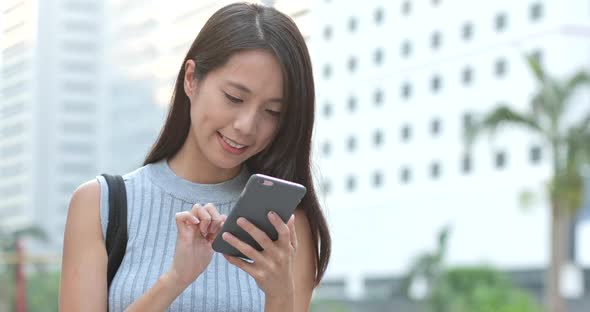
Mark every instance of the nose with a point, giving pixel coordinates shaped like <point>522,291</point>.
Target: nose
<point>246,121</point>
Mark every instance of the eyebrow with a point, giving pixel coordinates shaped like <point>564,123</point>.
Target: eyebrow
<point>245,89</point>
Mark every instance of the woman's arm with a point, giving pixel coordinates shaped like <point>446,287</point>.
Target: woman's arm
<point>84,262</point>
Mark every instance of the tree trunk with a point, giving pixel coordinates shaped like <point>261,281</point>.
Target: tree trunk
<point>559,246</point>
<point>20,281</point>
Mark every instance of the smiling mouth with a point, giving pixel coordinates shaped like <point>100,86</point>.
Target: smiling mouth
<point>231,142</point>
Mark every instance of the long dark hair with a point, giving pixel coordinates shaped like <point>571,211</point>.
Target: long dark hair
<point>238,27</point>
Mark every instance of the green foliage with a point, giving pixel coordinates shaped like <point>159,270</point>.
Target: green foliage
<point>42,291</point>
<point>483,289</point>
<point>326,305</point>
<point>466,289</point>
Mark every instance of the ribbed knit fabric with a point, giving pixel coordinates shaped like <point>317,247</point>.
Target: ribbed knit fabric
<point>154,195</point>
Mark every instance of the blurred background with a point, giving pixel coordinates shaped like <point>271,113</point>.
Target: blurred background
<point>451,144</point>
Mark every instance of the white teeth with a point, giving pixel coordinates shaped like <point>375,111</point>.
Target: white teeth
<point>232,143</point>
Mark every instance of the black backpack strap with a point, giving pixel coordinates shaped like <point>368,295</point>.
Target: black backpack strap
<point>116,238</point>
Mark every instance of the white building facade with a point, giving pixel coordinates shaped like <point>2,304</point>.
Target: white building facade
<point>52,54</point>
<point>396,81</point>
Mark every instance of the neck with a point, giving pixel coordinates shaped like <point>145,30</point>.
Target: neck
<point>190,164</point>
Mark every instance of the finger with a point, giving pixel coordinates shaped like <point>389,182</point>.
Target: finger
<point>258,235</point>
<point>292,232</point>
<point>241,263</point>
<point>205,219</point>
<point>215,217</point>
<point>186,217</point>
<point>244,248</point>
<point>280,226</point>
<point>221,222</point>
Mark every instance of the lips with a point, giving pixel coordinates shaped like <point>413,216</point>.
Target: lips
<point>230,145</point>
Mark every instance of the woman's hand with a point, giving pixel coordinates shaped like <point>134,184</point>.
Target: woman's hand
<point>273,267</point>
<point>196,230</point>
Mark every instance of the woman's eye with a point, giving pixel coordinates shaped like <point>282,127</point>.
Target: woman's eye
<point>274,113</point>
<point>233,98</point>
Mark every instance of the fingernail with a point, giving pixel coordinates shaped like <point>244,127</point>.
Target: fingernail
<point>196,220</point>
<point>271,213</point>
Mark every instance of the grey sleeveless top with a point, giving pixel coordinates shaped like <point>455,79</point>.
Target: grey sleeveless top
<point>154,195</point>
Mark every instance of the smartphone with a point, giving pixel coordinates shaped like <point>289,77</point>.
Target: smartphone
<point>261,194</point>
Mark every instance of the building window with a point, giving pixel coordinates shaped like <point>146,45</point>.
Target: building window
<point>535,155</point>
<point>435,170</point>
<point>328,33</point>
<point>405,175</point>
<point>406,49</point>
<point>326,187</point>
<point>536,11</point>
<point>377,179</point>
<point>435,127</point>
<point>435,84</point>
<point>352,64</point>
<point>73,106</point>
<point>350,183</point>
<point>467,31</point>
<point>352,24</point>
<point>406,133</point>
<point>327,148</point>
<point>406,90</point>
<point>466,164</point>
<point>12,130</point>
<point>501,22</point>
<point>378,138</point>
<point>435,2</point>
<point>500,68</point>
<point>352,103</point>
<point>378,56</point>
<point>327,110</point>
<point>467,76</point>
<point>379,16</point>
<point>378,97</point>
<point>327,71</point>
<point>406,8</point>
<point>435,40</point>
<point>500,160</point>
<point>351,144</point>
<point>14,50</point>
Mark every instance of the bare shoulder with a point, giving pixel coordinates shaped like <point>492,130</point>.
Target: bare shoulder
<point>84,212</point>
<point>88,193</point>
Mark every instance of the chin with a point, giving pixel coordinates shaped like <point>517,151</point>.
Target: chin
<point>227,164</point>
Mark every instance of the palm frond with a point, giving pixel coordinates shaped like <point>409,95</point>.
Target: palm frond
<point>536,68</point>
<point>578,142</point>
<point>498,118</point>
<point>578,79</point>
<point>584,125</point>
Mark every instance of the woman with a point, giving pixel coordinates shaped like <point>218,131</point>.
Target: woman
<point>243,103</point>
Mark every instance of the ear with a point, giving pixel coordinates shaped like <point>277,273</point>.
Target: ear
<point>190,83</point>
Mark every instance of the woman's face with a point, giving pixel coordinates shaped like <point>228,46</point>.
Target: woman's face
<point>235,108</point>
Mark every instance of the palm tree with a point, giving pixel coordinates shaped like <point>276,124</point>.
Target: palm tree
<point>569,144</point>
<point>11,244</point>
